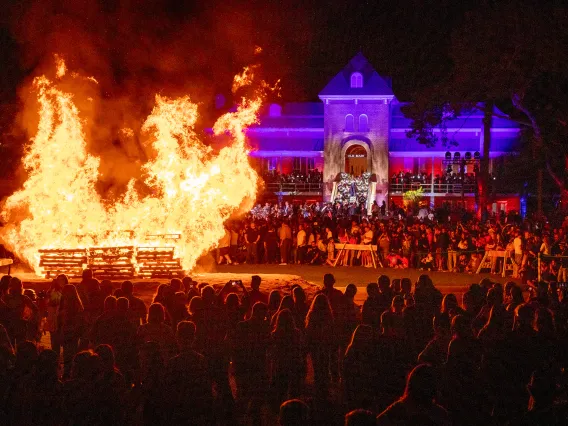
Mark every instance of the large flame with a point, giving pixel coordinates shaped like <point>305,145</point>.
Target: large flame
<point>192,190</point>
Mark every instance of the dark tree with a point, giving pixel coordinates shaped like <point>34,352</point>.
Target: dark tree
<point>510,54</point>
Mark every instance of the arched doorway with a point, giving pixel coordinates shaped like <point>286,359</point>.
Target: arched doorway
<point>356,160</point>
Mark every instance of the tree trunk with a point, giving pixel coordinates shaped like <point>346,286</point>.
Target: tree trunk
<point>537,147</point>
<point>483,175</point>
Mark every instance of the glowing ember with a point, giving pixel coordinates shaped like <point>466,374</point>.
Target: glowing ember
<point>192,191</point>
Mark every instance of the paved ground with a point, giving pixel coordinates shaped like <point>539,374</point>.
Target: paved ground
<point>447,282</point>
<point>310,277</point>
<point>357,275</point>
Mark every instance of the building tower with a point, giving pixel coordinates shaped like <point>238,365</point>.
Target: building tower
<point>357,105</point>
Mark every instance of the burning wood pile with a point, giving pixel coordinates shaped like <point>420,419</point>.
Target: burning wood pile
<point>182,186</point>
<point>112,262</point>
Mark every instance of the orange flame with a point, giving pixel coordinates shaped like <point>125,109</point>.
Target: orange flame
<point>192,191</point>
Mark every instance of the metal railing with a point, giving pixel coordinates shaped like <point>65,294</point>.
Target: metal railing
<point>296,188</point>
<point>439,188</point>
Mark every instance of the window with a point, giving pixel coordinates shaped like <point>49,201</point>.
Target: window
<point>363,123</point>
<point>349,123</point>
<point>356,80</point>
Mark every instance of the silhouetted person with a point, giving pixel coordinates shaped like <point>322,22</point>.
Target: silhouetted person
<point>156,330</point>
<point>416,406</point>
<point>249,346</point>
<point>111,388</point>
<point>294,413</point>
<point>371,312</point>
<point>361,369</point>
<point>436,351</point>
<point>187,382</point>
<point>81,404</point>
<point>287,357</point>
<point>137,308</point>
<point>321,342</point>
<point>20,310</point>
<point>360,418</point>
<point>47,403</point>
<point>71,325</point>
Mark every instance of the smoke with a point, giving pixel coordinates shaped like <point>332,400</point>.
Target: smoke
<point>135,50</point>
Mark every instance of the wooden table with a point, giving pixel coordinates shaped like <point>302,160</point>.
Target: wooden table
<point>357,248</point>
<point>489,261</point>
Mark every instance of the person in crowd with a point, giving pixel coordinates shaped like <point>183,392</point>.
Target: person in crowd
<point>156,330</point>
<point>285,237</point>
<point>360,369</point>
<point>360,417</point>
<point>417,405</point>
<point>294,412</point>
<point>20,310</point>
<point>225,248</point>
<point>436,351</point>
<point>137,308</point>
<point>254,295</point>
<point>190,399</point>
<point>321,342</point>
<point>301,307</point>
<point>249,350</point>
<point>71,325</point>
<point>288,366</point>
<point>53,297</point>
<point>252,237</point>
<point>274,299</point>
<point>301,244</point>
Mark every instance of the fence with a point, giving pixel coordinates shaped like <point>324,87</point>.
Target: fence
<point>546,258</point>
<point>438,188</point>
<point>295,187</point>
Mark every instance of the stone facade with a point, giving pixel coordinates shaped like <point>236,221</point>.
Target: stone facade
<point>375,140</point>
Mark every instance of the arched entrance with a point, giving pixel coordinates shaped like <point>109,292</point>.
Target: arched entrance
<point>356,161</point>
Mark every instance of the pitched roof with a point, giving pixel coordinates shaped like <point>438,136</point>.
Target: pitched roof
<point>373,83</point>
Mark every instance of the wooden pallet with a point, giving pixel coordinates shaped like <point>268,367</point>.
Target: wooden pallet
<point>63,261</point>
<point>158,262</point>
<point>112,262</point>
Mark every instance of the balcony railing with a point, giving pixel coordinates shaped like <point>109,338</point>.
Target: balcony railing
<point>295,188</point>
<point>439,188</point>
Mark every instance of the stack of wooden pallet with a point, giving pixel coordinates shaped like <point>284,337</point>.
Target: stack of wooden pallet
<point>112,262</point>
<point>158,262</point>
<point>60,261</point>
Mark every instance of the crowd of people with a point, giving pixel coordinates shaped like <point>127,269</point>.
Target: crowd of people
<point>403,177</point>
<point>443,240</point>
<point>311,176</point>
<point>237,355</point>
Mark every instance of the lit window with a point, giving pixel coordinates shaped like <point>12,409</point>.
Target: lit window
<point>363,123</point>
<point>356,80</point>
<point>349,123</point>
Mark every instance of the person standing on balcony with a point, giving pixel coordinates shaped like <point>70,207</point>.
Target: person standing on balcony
<point>285,237</point>
<point>252,236</point>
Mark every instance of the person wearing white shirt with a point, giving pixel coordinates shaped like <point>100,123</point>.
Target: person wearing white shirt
<point>301,241</point>
<point>367,240</point>
<point>518,254</point>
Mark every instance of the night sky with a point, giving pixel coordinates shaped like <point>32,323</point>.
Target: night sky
<point>170,45</point>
